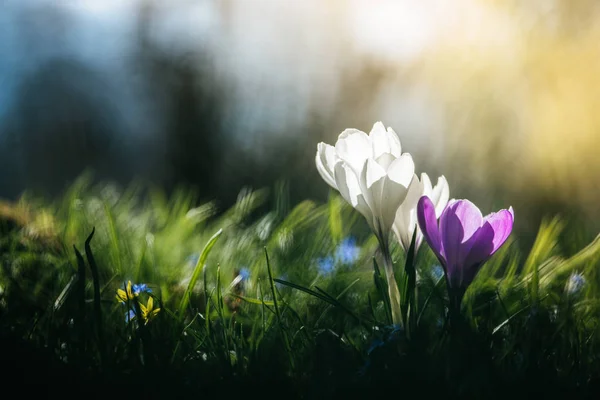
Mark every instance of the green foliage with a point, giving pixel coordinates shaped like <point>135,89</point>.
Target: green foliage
<point>250,302</point>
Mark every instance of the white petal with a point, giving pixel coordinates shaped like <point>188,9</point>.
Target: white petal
<point>330,157</point>
<point>402,170</point>
<point>382,194</point>
<point>370,173</point>
<point>402,222</point>
<point>392,196</point>
<point>384,141</point>
<point>404,227</point>
<point>345,179</point>
<point>405,221</point>
<point>439,195</point>
<point>349,188</point>
<point>373,172</point>
<point>415,191</point>
<point>354,147</point>
<point>379,140</point>
<point>325,161</point>
<point>427,187</point>
<point>385,160</point>
<point>401,228</point>
<point>378,128</point>
<point>394,140</point>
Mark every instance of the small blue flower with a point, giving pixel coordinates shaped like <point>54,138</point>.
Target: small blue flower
<point>347,252</point>
<point>437,272</point>
<point>575,283</point>
<point>129,315</point>
<point>245,274</point>
<point>326,265</point>
<point>140,288</point>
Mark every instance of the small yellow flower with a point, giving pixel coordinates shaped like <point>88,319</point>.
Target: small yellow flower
<point>148,311</point>
<point>123,295</point>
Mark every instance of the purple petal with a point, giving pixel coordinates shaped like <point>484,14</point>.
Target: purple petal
<point>488,239</point>
<point>502,223</point>
<point>458,223</point>
<point>429,226</point>
<point>481,246</point>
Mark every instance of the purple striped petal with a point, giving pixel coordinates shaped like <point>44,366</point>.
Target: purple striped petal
<point>480,248</point>
<point>464,239</point>
<point>458,224</point>
<point>429,226</point>
<point>502,223</point>
<point>485,242</point>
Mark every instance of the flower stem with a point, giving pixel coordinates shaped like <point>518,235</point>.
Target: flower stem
<point>407,303</point>
<point>393,292</point>
<point>455,296</point>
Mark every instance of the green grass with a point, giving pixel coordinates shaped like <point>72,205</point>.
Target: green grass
<point>287,326</point>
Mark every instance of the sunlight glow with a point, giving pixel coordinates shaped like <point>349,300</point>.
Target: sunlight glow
<point>99,7</point>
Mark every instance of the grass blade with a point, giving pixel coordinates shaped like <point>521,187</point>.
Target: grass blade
<point>251,300</point>
<point>305,290</point>
<point>199,265</point>
<point>277,312</point>
<point>97,302</point>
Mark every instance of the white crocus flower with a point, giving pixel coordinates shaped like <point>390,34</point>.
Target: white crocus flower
<point>373,175</point>
<point>370,172</point>
<point>406,215</point>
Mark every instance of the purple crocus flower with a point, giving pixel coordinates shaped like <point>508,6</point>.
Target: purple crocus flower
<point>464,239</point>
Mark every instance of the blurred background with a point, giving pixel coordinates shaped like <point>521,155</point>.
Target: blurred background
<point>499,96</point>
